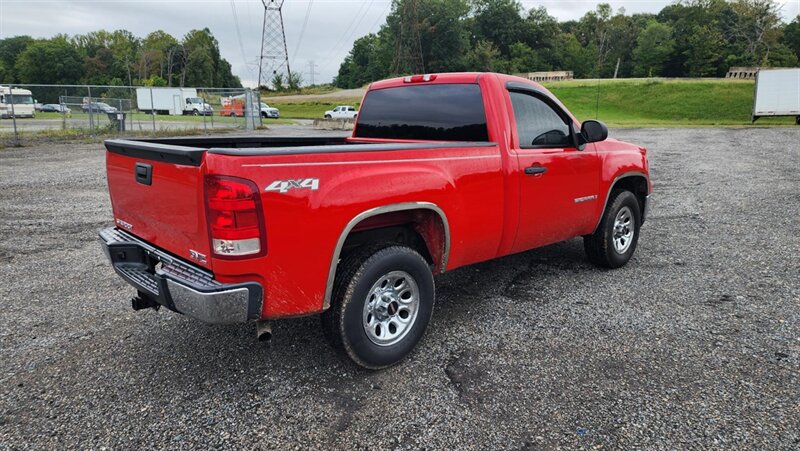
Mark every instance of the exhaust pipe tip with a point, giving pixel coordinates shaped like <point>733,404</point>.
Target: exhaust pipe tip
<point>264,331</point>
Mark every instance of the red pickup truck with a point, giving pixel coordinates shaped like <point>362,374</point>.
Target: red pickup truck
<point>441,171</point>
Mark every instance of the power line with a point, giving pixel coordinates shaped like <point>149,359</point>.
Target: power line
<point>302,30</point>
<point>347,34</point>
<point>239,36</point>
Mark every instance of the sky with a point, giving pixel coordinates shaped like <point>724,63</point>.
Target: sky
<point>331,25</point>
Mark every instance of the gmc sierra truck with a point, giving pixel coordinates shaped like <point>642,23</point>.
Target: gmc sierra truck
<point>441,171</point>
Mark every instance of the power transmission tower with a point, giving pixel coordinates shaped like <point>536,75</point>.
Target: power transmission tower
<point>408,50</point>
<point>274,55</point>
<point>312,71</point>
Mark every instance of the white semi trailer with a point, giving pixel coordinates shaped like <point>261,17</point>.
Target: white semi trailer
<point>172,101</point>
<point>777,93</point>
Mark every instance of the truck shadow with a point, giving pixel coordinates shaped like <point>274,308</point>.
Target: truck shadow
<point>521,277</point>
<point>206,355</point>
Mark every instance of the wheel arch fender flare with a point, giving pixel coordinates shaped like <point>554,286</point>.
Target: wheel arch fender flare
<point>615,183</point>
<point>405,206</point>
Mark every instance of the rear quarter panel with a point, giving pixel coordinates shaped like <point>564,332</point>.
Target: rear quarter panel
<point>303,225</point>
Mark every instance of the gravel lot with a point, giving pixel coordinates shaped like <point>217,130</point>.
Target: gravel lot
<point>695,343</point>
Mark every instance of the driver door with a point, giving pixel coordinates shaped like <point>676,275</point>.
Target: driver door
<point>558,182</point>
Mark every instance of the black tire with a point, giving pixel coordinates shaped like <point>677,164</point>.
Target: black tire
<point>195,113</point>
<point>600,247</point>
<point>357,276</point>
<point>328,116</point>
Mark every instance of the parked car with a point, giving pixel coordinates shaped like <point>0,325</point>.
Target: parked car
<point>342,112</point>
<point>98,107</point>
<point>269,112</point>
<point>36,105</point>
<point>441,171</point>
<point>55,108</point>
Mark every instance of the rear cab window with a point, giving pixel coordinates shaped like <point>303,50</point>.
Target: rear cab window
<point>436,112</point>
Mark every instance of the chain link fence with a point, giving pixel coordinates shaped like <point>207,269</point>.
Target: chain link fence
<point>30,110</point>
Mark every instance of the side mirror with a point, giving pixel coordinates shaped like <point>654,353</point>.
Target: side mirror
<point>594,131</point>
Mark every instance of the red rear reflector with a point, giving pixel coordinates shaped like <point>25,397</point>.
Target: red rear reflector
<point>235,218</point>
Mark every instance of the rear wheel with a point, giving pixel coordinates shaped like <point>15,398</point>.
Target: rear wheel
<point>614,241</point>
<point>381,305</point>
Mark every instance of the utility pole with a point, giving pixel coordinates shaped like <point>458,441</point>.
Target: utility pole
<point>408,49</point>
<point>312,71</point>
<point>274,55</point>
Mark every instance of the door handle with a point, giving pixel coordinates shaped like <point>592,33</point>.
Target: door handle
<point>535,170</point>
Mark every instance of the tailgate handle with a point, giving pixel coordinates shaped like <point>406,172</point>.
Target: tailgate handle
<point>144,173</point>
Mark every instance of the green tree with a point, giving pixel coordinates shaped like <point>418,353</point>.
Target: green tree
<point>293,81</point>
<point>153,54</point>
<point>50,61</point>
<point>278,82</point>
<point>498,22</point>
<point>202,63</point>
<point>524,59</point>
<point>361,65</point>
<point>577,58</point>
<point>791,36</point>
<point>483,57</point>
<point>654,47</point>
<point>542,36</point>
<point>10,49</point>
<point>430,33</point>
<point>704,50</point>
<point>756,27</point>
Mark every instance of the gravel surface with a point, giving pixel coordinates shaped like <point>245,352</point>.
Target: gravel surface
<point>695,343</point>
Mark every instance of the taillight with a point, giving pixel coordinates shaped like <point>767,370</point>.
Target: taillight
<point>236,222</point>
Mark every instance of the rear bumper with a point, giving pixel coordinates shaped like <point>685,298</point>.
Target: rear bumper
<point>177,284</point>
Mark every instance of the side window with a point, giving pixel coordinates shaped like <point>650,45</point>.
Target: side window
<point>538,125</point>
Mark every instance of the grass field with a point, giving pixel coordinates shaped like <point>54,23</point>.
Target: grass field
<point>636,103</point>
<point>624,103</point>
<point>310,110</point>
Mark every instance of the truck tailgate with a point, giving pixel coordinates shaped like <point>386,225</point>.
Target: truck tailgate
<point>157,194</point>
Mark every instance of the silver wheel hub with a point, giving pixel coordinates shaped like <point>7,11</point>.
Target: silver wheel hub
<point>623,230</point>
<point>391,308</point>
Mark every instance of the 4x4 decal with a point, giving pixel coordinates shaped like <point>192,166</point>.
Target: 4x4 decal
<point>285,185</point>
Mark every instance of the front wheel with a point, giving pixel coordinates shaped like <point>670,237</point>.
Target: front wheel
<point>381,305</point>
<point>328,116</point>
<point>614,241</point>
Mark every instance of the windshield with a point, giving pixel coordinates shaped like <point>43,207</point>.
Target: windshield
<point>195,100</point>
<point>20,99</point>
<point>264,105</point>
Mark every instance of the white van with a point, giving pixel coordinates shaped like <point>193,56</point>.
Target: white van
<point>23,102</point>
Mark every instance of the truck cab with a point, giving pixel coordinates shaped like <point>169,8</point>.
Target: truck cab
<point>22,100</point>
<point>196,106</point>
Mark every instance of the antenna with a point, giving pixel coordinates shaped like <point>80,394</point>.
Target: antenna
<point>274,55</point>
